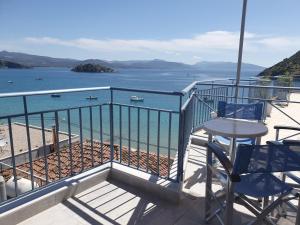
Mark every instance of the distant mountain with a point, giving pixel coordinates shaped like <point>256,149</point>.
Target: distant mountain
<point>150,64</point>
<point>44,61</point>
<point>12,65</point>
<point>289,67</point>
<point>226,66</point>
<point>37,61</point>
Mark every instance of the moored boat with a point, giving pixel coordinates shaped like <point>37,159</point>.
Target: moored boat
<point>91,98</point>
<point>136,99</point>
<point>55,95</point>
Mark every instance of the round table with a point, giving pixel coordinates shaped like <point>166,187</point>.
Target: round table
<point>234,128</point>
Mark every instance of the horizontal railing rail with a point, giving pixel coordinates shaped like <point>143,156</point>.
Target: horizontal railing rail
<point>74,90</point>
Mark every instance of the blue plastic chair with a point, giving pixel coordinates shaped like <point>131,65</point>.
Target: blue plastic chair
<point>251,175</point>
<point>239,111</point>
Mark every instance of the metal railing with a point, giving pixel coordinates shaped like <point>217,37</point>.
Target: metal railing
<point>209,93</point>
<point>107,131</point>
<point>150,137</point>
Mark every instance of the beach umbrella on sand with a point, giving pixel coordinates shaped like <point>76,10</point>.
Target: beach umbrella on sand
<point>241,44</point>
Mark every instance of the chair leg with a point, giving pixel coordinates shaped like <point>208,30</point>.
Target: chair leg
<point>263,215</point>
<point>265,202</point>
<point>229,203</point>
<point>208,181</point>
<point>298,213</point>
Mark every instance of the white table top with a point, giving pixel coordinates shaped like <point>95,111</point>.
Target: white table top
<point>235,128</point>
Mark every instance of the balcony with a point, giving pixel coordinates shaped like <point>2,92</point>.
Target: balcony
<point>113,161</point>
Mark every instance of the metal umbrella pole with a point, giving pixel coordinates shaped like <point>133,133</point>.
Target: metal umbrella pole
<point>240,57</point>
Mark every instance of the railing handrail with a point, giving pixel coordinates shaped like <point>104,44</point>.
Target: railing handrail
<point>252,86</point>
<point>176,93</point>
<point>72,90</point>
<point>188,88</point>
<point>46,92</point>
<point>226,79</point>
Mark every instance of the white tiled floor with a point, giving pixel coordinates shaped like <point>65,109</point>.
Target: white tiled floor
<point>114,203</point>
<point>111,202</point>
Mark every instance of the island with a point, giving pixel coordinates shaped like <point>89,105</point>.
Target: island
<point>12,65</point>
<point>289,67</point>
<point>92,68</point>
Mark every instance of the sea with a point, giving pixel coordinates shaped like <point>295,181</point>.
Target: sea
<point>126,126</point>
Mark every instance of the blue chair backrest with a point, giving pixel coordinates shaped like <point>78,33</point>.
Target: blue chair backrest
<point>266,159</point>
<point>240,111</point>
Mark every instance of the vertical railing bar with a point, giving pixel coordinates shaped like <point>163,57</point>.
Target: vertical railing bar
<point>200,116</point>
<point>180,148</point>
<point>91,135</point>
<point>215,98</point>
<point>44,148</point>
<point>57,144</point>
<point>120,113</point>
<point>158,141</point>
<point>169,144</point>
<point>11,140</point>
<point>129,135</point>
<point>148,137</point>
<point>195,114</point>
<point>70,141</point>
<point>243,90</point>
<point>101,133</point>
<point>215,91</point>
<point>28,141</point>
<point>81,139</point>
<point>138,139</point>
<point>205,109</point>
<point>220,93</point>
<point>111,126</point>
<point>227,90</point>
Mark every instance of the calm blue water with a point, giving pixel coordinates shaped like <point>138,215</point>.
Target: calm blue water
<point>61,78</point>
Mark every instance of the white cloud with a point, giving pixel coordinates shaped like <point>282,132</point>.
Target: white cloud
<point>281,43</point>
<point>197,57</point>
<point>217,40</point>
<point>263,49</point>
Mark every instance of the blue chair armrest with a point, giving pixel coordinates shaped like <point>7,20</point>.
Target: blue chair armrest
<point>219,153</point>
<point>274,143</point>
<point>286,128</point>
<point>291,142</point>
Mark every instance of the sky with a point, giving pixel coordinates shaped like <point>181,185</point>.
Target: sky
<point>186,31</point>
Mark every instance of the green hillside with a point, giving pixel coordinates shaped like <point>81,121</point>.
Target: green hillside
<point>12,65</point>
<point>287,67</point>
<point>92,68</point>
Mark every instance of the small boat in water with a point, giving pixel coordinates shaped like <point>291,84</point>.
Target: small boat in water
<point>10,82</point>
<point>55,95</point>
<point>91,98</point>
<point>38,78</point>
<point>136,99</point>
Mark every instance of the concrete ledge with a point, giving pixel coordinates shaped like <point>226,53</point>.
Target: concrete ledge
<point>29,205</point>
<point>148,183</point>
